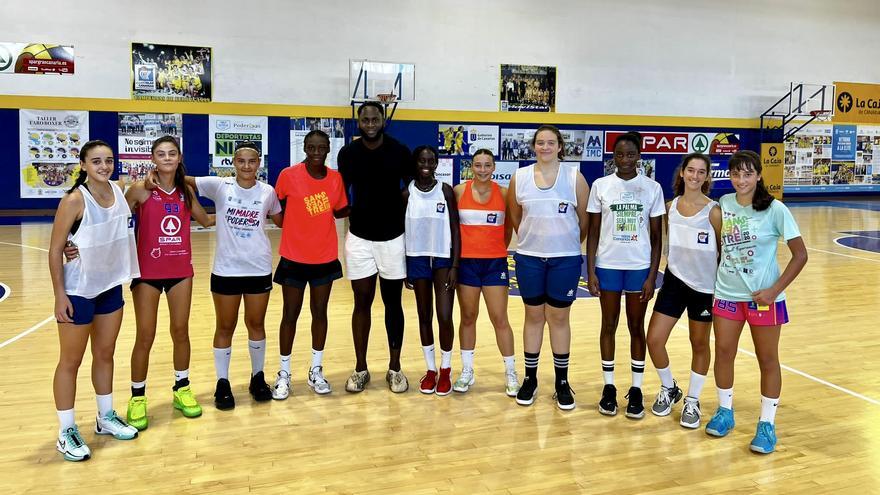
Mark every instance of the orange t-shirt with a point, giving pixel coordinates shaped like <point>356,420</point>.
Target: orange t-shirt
<point>308,234</point>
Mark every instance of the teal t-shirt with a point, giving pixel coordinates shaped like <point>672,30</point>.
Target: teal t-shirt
<point>749,240</point>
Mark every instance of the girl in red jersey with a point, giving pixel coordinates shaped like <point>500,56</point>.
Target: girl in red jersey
<point>313,197</point>
<point>163,239</point>
<point>485,235</point>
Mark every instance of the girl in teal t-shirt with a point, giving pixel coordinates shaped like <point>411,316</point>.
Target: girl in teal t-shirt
<point>749,288</point>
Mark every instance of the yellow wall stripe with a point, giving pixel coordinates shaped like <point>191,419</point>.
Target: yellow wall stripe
<point>402,113</point>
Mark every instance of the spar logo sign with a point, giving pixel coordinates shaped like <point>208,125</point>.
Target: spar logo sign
<point>655,143</point>
<point>700,143</point>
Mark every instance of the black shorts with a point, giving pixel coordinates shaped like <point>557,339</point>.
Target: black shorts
<point>296,274</point>
<point>160,284</point>
<point>236,286</point>
<point>675,296</point>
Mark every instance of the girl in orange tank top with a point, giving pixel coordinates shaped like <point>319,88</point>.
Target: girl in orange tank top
<point>485,235</point>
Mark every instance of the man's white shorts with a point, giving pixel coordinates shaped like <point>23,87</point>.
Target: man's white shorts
<point>365,258</point>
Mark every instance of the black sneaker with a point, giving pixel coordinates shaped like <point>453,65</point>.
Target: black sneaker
<point>223,398</point>
<point>564,396</point>
<point>527,392</point>
<point>635,409</point>
<point>259,389</point>
<point>608,403</point>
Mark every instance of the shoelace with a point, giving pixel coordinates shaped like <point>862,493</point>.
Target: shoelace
<point>765,430</point>
<point>114,418</point>
<point>72,435</point>
<point>397,378</point>
<point>690,408</point>
<point>663,397</point>
<point>318,375</point>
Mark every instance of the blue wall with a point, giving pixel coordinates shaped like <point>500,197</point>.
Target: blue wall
<point>103,125</point>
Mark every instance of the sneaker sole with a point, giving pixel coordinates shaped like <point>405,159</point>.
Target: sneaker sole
<point>312,386</point>
<point>606,412</point>
<point>427,391</point>
<point>73,458</point>
<point>354,390</point>
<point>527,402</point>
<point>692,426</point>
<point>759,450</point>
<point>716,433</point>
<point>280,397</point>
<point>105,432</point>
<point>224,407</point>
<point>662,414</point>
<point>188,414</point>
<point>138,426</point>
<point>461,390</point>
<point>443,394</point>
<point>511,393</point>
<point>635,416</point>
<point>565,407</point>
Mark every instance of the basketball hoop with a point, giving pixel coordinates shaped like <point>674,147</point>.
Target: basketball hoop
<point>821,115</point>
<point>386,98</point>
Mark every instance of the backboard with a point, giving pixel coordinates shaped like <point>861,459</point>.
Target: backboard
<point>368,79</point>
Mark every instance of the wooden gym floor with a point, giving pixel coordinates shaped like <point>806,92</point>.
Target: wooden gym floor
<point>378,442</point>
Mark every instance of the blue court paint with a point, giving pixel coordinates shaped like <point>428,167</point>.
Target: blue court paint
<point>4,291</point>
<point>865,240</point>
<point>583,290</point>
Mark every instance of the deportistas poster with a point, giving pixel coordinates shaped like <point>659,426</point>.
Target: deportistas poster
<point>226,132</point>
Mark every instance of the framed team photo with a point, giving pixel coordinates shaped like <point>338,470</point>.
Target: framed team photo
<point>527,88</point>
<point>170,72</point>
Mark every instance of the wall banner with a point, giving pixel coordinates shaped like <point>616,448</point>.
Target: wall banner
<point>856,102</point>
<point>49,144</point>
<point>772,165</point>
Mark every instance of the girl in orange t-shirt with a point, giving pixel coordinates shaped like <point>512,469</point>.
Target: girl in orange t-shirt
<point>313,197</point>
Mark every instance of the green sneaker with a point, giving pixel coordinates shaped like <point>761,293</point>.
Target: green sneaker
<point>137,413</point>
<point>185,401</point>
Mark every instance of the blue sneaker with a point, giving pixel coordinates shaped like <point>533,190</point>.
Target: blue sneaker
<point>721,423</point>
<point>765,438</point>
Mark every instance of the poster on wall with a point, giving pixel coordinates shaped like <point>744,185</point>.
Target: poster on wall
<point>582,145</point>
<point>646,167</point>
<point>856,102</point>
<point>527,88</point>
<point>503,171</point>
<point>49,143</point>
<point>137,131</point>
<point>825,157</point>
<point>170,72</point>
<point>300,126</point>
<point>225,132</point>
<point>36,58</point>
<point>516,144</point>
<point>464,139</point>
<point>444,170</point>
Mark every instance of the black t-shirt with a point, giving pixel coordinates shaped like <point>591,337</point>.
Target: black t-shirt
<point>374,179</point>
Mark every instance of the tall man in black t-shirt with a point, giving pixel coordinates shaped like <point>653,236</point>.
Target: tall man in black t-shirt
<point>375,168</point>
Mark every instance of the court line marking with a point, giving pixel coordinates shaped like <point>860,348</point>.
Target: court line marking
<point>803,374</point>
<point>842,254</point>
<point>27,332</point>
<point>25,246</point>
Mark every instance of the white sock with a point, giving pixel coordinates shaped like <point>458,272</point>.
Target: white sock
<point>142,384</point>
<point>428,351</point>
<point>725,397</point>
<point>105,404</point>
<point>257,350</point>
<point>665,375</point>
<point>608,372</point>
<point>445,359</point>
<point>509,364</point>
<point>695,386</point>
<point>285,364</point>
<point>638,372</point>
<point>221,362</point>
<point>181,374</point>
<point>317,357</point>
<point>66,419</point>
<point>467,359</point>
<point>768,409</point>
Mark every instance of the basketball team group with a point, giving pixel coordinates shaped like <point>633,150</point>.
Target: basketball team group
<point>416,232</point>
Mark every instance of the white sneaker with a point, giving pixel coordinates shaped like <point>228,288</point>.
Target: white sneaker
<point>111,424</point>
<point>281,389</point>
<point>512,384</point>
<point>358,381</point>
<point>71,444</point>
<point>397,381</point>
<point>465,380</point>
<point>691,414</point>
<point>317,381</point>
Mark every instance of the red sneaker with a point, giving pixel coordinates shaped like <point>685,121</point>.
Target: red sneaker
<point>444,383</point>
<point>429,382</point>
